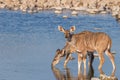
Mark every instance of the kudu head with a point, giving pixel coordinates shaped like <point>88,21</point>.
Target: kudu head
<point>67,33</point>
<point>59,54</point>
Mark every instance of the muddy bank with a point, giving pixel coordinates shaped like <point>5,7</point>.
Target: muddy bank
<point>91,6</point>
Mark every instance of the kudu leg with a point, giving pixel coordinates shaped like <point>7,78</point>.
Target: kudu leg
<point>111,57</point>
<point>102,60</point>
<point>91,58</point>
<point>90,67</point>
<point>84,61</point>
<point>68,56</point>
<point>90,72</point>
<point>79,62</point>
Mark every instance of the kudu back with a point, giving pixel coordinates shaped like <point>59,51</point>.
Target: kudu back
<point>88,41</point>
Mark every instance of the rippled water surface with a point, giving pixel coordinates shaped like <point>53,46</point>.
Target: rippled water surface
<point>28,43</point>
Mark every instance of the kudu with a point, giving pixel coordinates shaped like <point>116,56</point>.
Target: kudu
<point>67,51</point>
<point>87,41</point>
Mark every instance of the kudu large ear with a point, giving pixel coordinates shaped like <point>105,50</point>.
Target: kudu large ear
<point>57,50</point>
<point>72,29</point>
<point>60,28</point>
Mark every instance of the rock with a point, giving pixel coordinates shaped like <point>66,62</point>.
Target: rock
<point>95,79</point>
<point>103,12</point>
<point>2,6</point>
<point>96,55</point>
<point>30,11</point>
<point>58,8</point>
<point>91,11</point>
<point>24,11</point>
<point>78,8</point>
<point>82,8</point>
<point>91,6</point>
<point>67,6</point>
<point>114,13</point>
<point>113,52</point>
<point>115,8</point>
<point>74,13</point>
<point>118,16</point>
<point>58,11</point>
<point>65,16</point>
<point>23,8</point>
<point>39,9</point>
<point>97,28</point>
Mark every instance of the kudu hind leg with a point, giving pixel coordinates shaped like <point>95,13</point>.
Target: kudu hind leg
<point>79,63</point>
<point>102,60</point>
<point>111,57</point>
<point>84,61</point>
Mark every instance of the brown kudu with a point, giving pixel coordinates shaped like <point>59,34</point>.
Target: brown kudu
<point>87,41</point>
<point>67,51</point>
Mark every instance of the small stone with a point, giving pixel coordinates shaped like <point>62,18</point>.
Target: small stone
<point>95,79</point>
<point>118,16</point>
<point>91,11</point>
<point>58,11</point>
<point>58,8</point>
<point>74,13</point>
<point>30,11</point>
<point>103,12</point>
<point>97,28</point>
<point>65,16</point>
<point>114,13</point>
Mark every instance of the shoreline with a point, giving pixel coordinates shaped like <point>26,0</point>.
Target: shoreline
<point>89,6</point>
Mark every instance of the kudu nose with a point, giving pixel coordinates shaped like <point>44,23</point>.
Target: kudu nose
<point>67,36</point>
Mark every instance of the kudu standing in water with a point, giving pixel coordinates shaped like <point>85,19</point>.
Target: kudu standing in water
<point>67,51</point>
<point>87,41</point>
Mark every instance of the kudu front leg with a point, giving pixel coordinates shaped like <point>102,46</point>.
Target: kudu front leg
<point>67,59</point>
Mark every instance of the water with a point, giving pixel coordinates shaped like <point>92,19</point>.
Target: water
<point>28,43</point>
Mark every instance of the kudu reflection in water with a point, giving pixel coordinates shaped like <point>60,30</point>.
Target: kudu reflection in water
<point>67,74</point>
